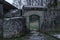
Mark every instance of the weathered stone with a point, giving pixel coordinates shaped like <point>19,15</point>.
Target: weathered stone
<point>13,13</point>
<point>13,26</point>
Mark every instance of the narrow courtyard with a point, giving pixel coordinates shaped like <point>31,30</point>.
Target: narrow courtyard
<point>30,20</point>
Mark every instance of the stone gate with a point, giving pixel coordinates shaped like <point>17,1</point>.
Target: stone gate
<point>27,11</point>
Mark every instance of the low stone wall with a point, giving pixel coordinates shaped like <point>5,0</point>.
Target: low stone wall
<point>13,26</point>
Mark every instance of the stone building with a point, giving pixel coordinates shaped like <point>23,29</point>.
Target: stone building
<point>35,7</point>
<point>4,8</point>
<point>48,12</point>
<point>11,21</point>
<point>43,9</point>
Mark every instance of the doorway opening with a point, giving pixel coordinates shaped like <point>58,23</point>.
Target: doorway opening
<point>34,22</point>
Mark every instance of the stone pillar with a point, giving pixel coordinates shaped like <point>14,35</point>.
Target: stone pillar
<point>39,24</point>
<point>27,21</point>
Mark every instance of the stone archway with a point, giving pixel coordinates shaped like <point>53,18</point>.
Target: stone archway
<point>34,12</point>
<point>34,22</point>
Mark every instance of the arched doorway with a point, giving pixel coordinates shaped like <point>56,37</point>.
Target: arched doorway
<point>37,13</point>
<point>34,22</point>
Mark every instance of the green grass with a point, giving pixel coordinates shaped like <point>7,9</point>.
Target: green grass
<point>53,32</point>
<point>34,27</point>
<point>53,39</point>
<point>19,38</point>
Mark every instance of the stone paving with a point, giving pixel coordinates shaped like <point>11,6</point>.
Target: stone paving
<point>36,36</point>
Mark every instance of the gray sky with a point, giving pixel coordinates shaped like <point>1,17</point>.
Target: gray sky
<point>10,1</point>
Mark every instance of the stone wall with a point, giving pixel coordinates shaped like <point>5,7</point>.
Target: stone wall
<point>13,13</point>
<point>13,24</point>
<point>46,18</point>
<point>34,12</point>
